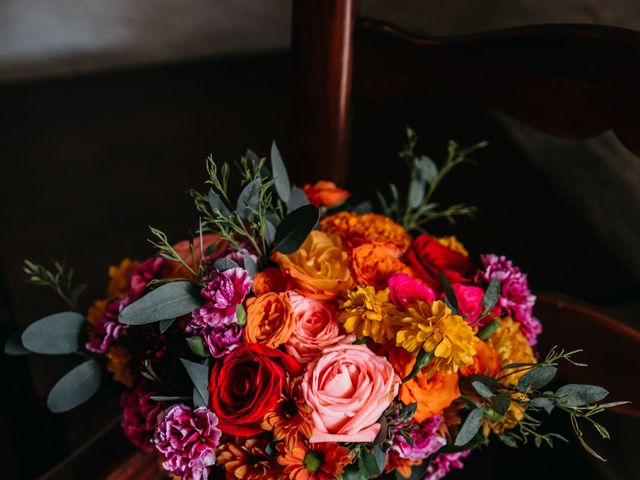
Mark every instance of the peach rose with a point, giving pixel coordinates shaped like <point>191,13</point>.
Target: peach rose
<point>269,320</point>
<point>270,279</point>
<point>320,267</point>
<point>348,388</point>
<point>317,328</point>
<point>374,263</point>
<point>325,194</point>
<point>431,393</point>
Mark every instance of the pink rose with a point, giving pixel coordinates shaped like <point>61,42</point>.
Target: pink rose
<point>404,290</point>
<point>470,303</point>
<point>317,328</point>
<point>348,388</point>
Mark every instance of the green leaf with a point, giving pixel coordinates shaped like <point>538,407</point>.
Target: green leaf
<point>501,403</point>
<point>485,332</point>
<point>164,325</point>
<point>216,203</point>
<point>164,398</point>
<point>422,360</point>
<point>368,464</point>
<point>470,428</point>
<point>199,375</point>
<point>449,293</point>
<point>425,168</point>
<point>297,199</point>
<point>482,389</point>
<point>252,157</point>
<point>197,346</point>
<point>241,315</point>
<point>416,193</point>
<point>363,207</point>
<point>537,378</point>
<point>508,440</point>
<point>249,199</point>
<point>76,387</point>
<point>198,401</point>
<point>295,228</point>
<point>544,402</point>
<point>13,346</point>
<point>171,300</point>
<point>223,264</point>
<point>492,294</point>
<point>409,410</point>
<point>577,395</point>
<point>250,265</point>
<point>283,187</point>
<point>55,335</point>
<point>269,231</point>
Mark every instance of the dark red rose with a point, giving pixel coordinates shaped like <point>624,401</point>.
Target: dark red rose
<point>246,384</point>
<point>427,257</point>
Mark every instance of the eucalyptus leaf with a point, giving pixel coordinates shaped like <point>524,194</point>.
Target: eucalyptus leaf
<point>297,199</point>
<point>249,199</point>
<point>197,346</point>
<point>223,264</point>
<point>13,346</point>
<point>422,360</point>
<point>501,403</point>
<point>280,176</point>
<point>216,203</point>
<point>164,325</point>
<point>449,293</point>
<point>198,401</point>
<point>252,157</point>
<point>544,402</point>
<point>250,265</point>
<point>426,168</point>
<point>363,207</point>
<point>508,441</point>
<point>269,231</point>
<point>55,335</point>
<point>295,228</point>
<point>199,375</point>
<point>469,428</point>
<point>492,294</point>
<point>164,398</point>
<point>482,389</point>
<point>537,378</point>
<point>416,193</point>
<point>577,395</point>
<point>171,300</point>
<point>75,388</point>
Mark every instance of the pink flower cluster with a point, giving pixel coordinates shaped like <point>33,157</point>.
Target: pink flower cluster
<point>108,329</point>
<point>187,440</point>
<point>425,440</point>
<point>443,463</point>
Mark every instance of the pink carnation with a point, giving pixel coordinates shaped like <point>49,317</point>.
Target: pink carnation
<point>187,440</point>
<point>220,338</point>
<point>425,440</point>
<point>139,417</point>
<point>443,463</point>
<point>515,296</point>
<point>108,329</point>
<point>470,303</point>
<point>148,270</point>
<point>404,290</point>
<point>317,328</point>
<point>224,292</point>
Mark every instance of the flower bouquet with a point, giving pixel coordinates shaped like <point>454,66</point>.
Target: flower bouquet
<point>297,336</point>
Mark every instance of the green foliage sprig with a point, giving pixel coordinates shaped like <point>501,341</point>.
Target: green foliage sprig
<point>60,280</point>
<point>418,209</point>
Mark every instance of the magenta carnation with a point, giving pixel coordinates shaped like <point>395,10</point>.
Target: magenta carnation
<point>443,463</point>
<point>187,440</point>
<point>224,292</point>
<point>515,296</point>
<point>404,290</point>
<point>108,329</point>
<point>148,270</point>
<point>139,417</point>
<point>221,338</point>
<point>425,440</point>
<point>471,305</point>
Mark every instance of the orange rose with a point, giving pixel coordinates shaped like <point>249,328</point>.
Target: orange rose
<point>355,229</point>
<point>431,394</point>
<point>485,361</point>
<point>325,194</point>
<point>269,320</point>
<point>374,263</point>
<point>319,268</point>
<point>269,280</point>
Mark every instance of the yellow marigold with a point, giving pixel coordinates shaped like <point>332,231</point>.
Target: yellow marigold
<point>319,268</point>
<point>433,327</point>
<point>452,243</point>
<point>120,276</point>
<point>357,229</point>
<point>512,347</point>
<point>369,313</point>
<point>118,358</point>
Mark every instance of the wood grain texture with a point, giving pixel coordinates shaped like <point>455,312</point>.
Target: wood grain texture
<point>322,48</point>
<point>571,81</point>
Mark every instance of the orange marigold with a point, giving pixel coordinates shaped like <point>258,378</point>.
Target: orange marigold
<point>290,420</point>
<point>512,347</point>
<point>374,263</point>
<point>120,276</point>
<point>315,461</point>
<point>118,358</point>
<point>355,229</point>
<point>246,459</point>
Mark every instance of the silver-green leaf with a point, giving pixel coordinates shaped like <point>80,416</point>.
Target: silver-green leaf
<point>199,374</point>
<point>577,395</point>
<point>297,199</point>
<point>171,300</point>
<point>469,428</point>
<point>295,228</point>
<point>280,176</point>
<point>56,334</point>
<point>75,388</point>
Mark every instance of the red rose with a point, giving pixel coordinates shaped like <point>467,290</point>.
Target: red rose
<point>246,384</point>
<point>427,257</point>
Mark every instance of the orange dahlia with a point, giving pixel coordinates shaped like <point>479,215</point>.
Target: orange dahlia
<point>246,459</point>
<point>314,461</point>
<point>356,229</point>
<point>290,420</point>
